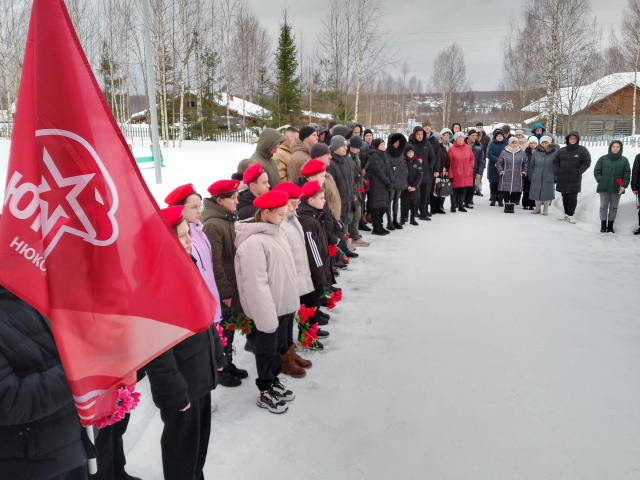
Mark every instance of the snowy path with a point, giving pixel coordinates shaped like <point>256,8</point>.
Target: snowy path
<point>512,353</point>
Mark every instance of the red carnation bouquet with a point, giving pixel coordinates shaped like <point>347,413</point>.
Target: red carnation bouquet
<point>620,183</point>
<point>333,298</point>
<point>333,250</point>
<point>239,322</point>
<point>308,332</point>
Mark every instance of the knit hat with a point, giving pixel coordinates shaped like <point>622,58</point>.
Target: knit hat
<point>356,142</point>
<point>306,132</point>
<point>546,138</point>
<point>408,147</point>
<point>315,126</point>
<point>332,124</point>
<point>471,132</point>
<point>271,200</point>
<point>437,135</point>
<point>519,132</point>
<point>180,193</point>
<point>173,215</point>
<point>513,140</point>
<point>319,150</point>
<point>252,173</point>
<point>376,143</point>
<point>336,142</point>
<point>532,139</point>
<point>458,135</point>
<point>313,167</point>
<point>367,130</point>
<point>223,186</point>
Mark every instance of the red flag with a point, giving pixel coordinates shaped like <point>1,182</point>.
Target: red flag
<point>81,238</point>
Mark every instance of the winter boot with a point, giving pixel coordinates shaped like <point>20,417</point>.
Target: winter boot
<point>227,380</point>
<point>637,231</point>
<point>269,399</point>
<point>396,225</point>
<point>500,200</point>
<point>413,221</point>
<point>603,226</point>
<point>509,207</point>
<point>537,211</point>
<point>493,197</point>
<point>290,367</point>
<point>610,227</point>
<point>461,203</point>
<point>302,362</point>
<point>546,207</point>
<point>390,226</point>
<point>378,230</point>
<point>454,203</point>
<point>228,353</point>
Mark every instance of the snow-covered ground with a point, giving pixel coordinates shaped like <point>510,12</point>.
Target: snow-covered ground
<point>476,346</point>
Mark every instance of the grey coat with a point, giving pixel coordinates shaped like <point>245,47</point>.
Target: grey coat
<point>542,177</point>
<point>513,164</point>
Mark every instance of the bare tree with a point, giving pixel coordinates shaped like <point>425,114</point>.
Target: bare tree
<point>449,78</point>
<point>631,51</point>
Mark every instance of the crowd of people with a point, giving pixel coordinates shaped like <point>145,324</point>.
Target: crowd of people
<point>270,242</point>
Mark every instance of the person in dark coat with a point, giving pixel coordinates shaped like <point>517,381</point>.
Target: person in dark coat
<point>411,194</point>
<point>478,167</point>
<point>484,139</point>
<point>444,164</point>
<point>424,152</point>
<point>570,163</point>
<point>542,187</point>
<point>494,149</point>
<point>635,186</point>
<point>380,178</point>
<point>527,202</point>
<point>436,147</point>
<point>341,170</point>
<point>181,381</point>
<point>328,133</point>
<point>613,173</point>
<point>40,432</point>
<point>395,147</point>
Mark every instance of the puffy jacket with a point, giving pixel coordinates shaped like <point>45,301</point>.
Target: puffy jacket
<point>511,165</point>
<point>425,153</point>
<point>358,177</point>
<point>461,170</point>
<point>570,163</point>
<point>266,273</point>
<point>414,175</point>
<point>331,193</point>
<point>282,158</point>
<point>437,148</point>
<point>299,156</point>
<point>541,173</point>
<point>295,236</point>
<point>317,245</point>
<point>218,226</point>
<point>480,163</point>
<point>380,178</point>
<point>267,141</point>
<point>396,160</point>
<point>341,170</point>
<point>201,251</point>
<point>332,227</point>
<point>494,150</point>
<point>40,431</point>
<point>609,169</point>
<point>245,208</point>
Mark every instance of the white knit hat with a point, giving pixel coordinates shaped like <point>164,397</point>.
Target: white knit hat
<point>546,138</point>
<point>513,140</point>
<point>458,135</point>
<point>532,139</point>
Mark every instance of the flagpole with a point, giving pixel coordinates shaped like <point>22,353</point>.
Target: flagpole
<point>151,89</point>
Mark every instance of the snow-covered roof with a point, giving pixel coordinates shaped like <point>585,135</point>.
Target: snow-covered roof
<point>323,116</point>
<point>245,108</point>
<point>586,95</point>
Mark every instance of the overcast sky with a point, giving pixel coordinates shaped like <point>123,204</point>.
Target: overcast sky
<point>421,28</point>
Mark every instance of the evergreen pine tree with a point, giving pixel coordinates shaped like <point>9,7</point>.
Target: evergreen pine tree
<point>286,88</point>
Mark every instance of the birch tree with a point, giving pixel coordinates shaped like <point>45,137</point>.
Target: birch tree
<point>449,78</point>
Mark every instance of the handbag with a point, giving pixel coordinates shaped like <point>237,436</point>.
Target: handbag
<point>444,188</point>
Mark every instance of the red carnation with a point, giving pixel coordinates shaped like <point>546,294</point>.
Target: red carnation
<point>620,182</point>
<point>333,250</point>
<point>361,190</point>
<point>231,326</point>
<point>337,295</point>
<point>366,182</point>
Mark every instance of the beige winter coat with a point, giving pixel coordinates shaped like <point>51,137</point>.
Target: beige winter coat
<point>295,235</point>
<point>333,196</point>
<point>266,274</point>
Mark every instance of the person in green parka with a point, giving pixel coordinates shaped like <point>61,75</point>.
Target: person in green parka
<point>268,143</point>
<point>613,173</point>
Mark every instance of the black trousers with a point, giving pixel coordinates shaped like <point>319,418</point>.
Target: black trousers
<point>79,473</point>
<point>406,205</point>
<point>570,202</point>
<point>268,348</point>
<point>525,194</point>
<point>185,440</point>
<point>511,197</point>
<point>376,215</point>
<point>425,198</point>
<point>493,188</point>
<point>111,460</point>
<point>395,202</point>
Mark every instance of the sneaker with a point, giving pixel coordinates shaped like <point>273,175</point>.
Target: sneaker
<point>351,254</point>
<point>317,345</point>
<point>571,219</point>
<point>322,333</point>
<point>269,399</point>
<point>321,314</point>
<point>360,243</point>
<point>227,380</point>
<point>564,218</point>
<point>282,393</point>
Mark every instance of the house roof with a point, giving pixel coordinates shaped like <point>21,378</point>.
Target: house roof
<point>588,94</point>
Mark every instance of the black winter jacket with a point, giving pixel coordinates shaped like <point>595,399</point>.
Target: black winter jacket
<point>245,208</point>
<point>186,372</point>
<point>317,245</point>
<point>414,176</point>
<point>424,151</point>
<point>481,162</point>
<point>40,431</point>
<point>380,178</point>
<point>341,169</point>
<point>332,228</point>
<point>635,174</point>
<point>437,153</point>
<point>396,159</point>
<point>569,164</point>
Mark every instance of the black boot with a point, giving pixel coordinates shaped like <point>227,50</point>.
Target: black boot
<point>226,379</point>
<point>363,227</point>
<point>228,353</point>
<point>378,230</point>
<point>603,226</point>
<point>396,225</point>
<point>390,226</point>
<point>493,197</point>
<point>461,203</point>
<point>413,221</point>
<point>454,203</point>
<point>610,227</point>
<point>500,200</point>
<point>637,231</point>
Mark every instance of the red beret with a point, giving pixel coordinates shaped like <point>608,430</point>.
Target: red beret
<point>223,186</point>
<point>271,200</point>
<point>173,215</point>
<point>309,189</point>
<point>313,167</point>
<point>179,194</point>
<point>252,173</point>
<point>291,189</point>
